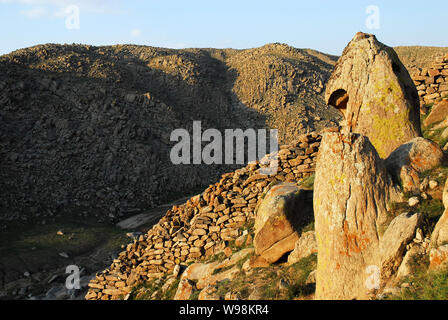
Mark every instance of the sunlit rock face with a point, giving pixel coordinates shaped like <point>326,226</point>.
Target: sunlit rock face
<point>375,94</point>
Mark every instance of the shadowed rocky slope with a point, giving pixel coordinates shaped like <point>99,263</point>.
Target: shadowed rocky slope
<point>84,126</point>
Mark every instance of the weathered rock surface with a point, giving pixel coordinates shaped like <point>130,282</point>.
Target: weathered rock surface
<point>281,215</point>
<point>208,293</point>
<point>438,257</point>
<point>439,236</point>
<point>438,113</point>
<point>305,246</point>
<point>393,242</point>
<point>445,195</point>
<point>375,93</point>
<point>416,253</point>
<point>204,276</point>
<point>411,158</point>
<point>184,290</point>
<point>351,191</point>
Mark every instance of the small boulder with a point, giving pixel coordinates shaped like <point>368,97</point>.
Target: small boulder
<point>184,290</point>
<point>415,156</point>
<point>438,113</point>
<point>413,201</point>
<point>304,247</point>
<point>416,253</point>
<point>199,271</point>
<point>256,262</point>
<point>282,214</point>
<point>433,184</point>
<point>394,241</point>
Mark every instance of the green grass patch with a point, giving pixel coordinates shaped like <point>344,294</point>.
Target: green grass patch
<point>307,183</point>
<point>37,246</point>
<point>195,295</point>
<point>308,227</point>
<point>152,290</point>
<point>295,275</point>
<point>146,290</point>
<point>298,274</point>
<point>216,257</point>
<point>431,210</point>
<point>425,286</point>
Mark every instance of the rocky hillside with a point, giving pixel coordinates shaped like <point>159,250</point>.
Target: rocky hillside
<point>377,221</point>
<point>286,85</point>
<point>89,127</point>
<point>414,57</point>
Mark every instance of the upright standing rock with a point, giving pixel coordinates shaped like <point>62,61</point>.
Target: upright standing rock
<point>351,192</point>
<point>375,93</point>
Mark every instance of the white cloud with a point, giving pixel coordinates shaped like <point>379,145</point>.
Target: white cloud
<point>135,33</point>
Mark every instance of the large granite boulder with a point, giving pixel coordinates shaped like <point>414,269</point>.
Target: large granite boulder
<point>375,94</point>
<point>284,211</point>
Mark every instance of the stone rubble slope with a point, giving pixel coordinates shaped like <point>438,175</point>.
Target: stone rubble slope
<point>85,127</point>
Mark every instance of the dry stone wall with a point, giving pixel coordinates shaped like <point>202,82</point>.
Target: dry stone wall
<point>199,227</point>
<point>432,83</point>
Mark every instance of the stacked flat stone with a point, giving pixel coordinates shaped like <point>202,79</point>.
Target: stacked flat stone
<point>199,228</point>
<point>432,83</point>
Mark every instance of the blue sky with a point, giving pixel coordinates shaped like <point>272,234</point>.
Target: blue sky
<point>324,25</point>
